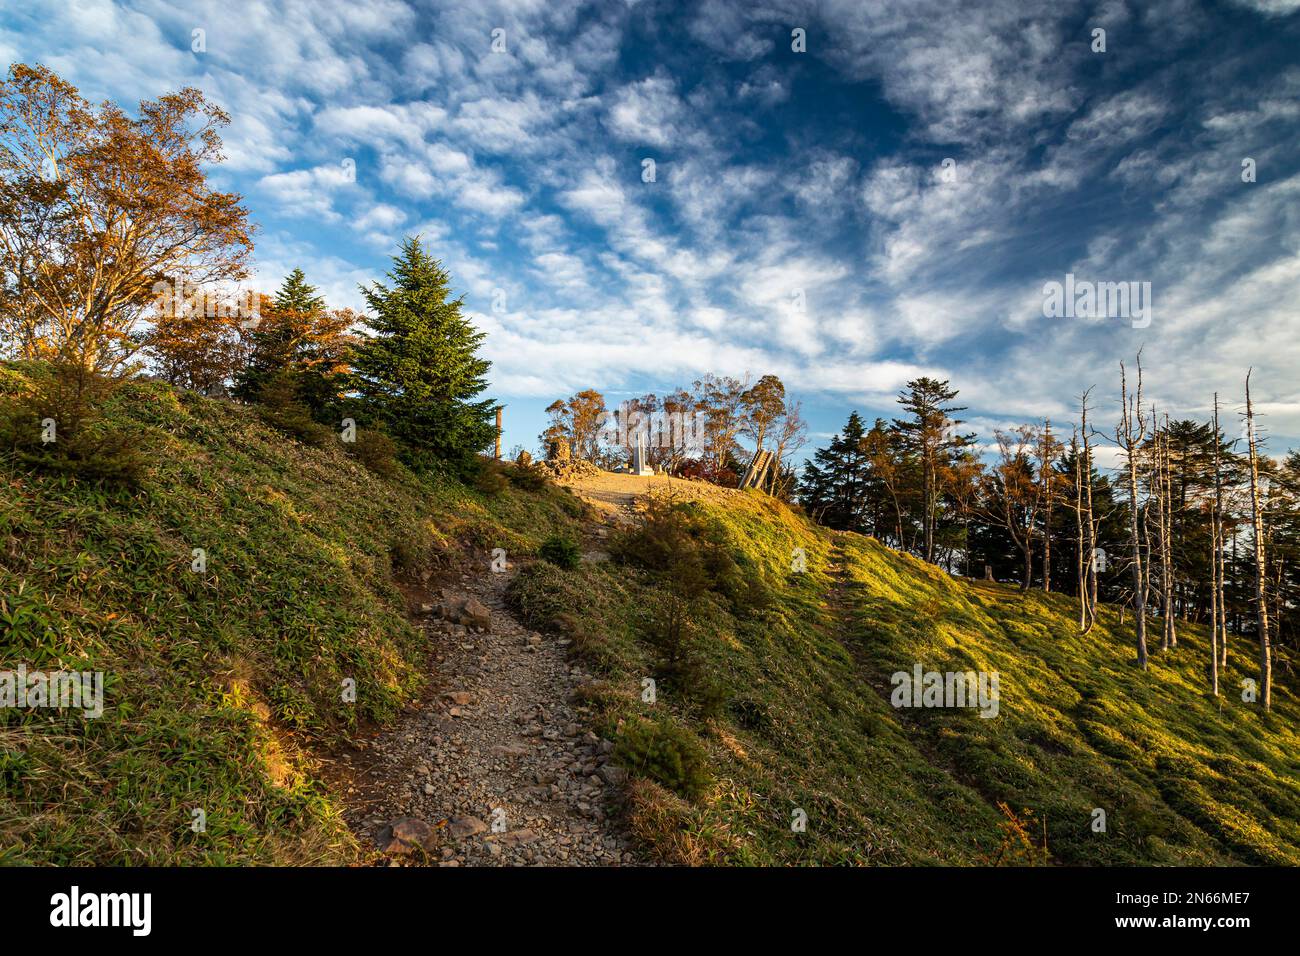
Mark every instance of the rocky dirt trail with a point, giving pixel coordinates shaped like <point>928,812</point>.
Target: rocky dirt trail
<point>496,767</point>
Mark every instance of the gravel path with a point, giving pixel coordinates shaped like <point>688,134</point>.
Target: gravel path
<point>496,768</point>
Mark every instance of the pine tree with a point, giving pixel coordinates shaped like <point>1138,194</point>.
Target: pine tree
<point>833,483</point>
<point>419,373</point>
<point>298,348</point>
<point>296,295</point>
<point>930,435</point>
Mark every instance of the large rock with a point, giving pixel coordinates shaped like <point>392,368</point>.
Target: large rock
<point>519,837</point>
<point>474,614</point>
<point>461,827</point>
<point>405,836</point>
<point>466,611</point>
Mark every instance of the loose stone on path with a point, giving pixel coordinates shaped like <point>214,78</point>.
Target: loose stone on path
<point>497,769</point>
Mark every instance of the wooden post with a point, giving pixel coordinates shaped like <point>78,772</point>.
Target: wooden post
<point>497,455</point>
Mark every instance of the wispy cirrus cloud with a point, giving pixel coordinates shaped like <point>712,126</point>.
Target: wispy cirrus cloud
<point>513,136</point>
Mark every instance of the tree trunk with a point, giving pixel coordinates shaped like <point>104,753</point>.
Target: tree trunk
<point>1257,525</point>
<point>1223,599</point>
<point>1048,496</point>
<point>1092,523</point>
<point>1167,496</point>
<point>1130,435</point>
<point>1215,548</point>
<point>929,511</point>
<point>1081,577</point>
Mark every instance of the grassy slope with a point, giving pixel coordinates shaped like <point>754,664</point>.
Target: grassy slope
<point>1182,778</point>
<point>217,683</point>
<point>221,683</point>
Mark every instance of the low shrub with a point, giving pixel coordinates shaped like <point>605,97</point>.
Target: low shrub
<point>527,477</point>
<point>490,478</point>
<point>415,554</point>
<point>59,429</point>
<point>376,451</point>
<point>560,551</point>
<point>281,407</point>
<point>664,752</point>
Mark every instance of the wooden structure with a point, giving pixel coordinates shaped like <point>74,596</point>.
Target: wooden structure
<point>758,472</point>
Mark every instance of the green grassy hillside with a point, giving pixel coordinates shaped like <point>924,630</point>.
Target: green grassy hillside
<point>218,684</point>
<point>807,721</point>
<point>222,683</point>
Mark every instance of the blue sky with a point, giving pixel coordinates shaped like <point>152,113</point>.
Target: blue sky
<point>780,176</point>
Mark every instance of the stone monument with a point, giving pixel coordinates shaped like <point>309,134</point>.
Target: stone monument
<point>639,464</point>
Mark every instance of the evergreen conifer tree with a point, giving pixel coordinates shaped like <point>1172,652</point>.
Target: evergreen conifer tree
<point>419,373</point>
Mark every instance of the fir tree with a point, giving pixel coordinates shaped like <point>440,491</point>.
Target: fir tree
<point>929,433</point>
<point>419,372</point>
<point>298,352</point>
<point>274,341</point>
<point>296,295</point>
<point>832,484</point>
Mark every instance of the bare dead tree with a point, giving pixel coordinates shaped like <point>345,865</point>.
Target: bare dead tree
<point>1170,634</point>
<point>1129,435</point>
<point>1216,548</point>
<point>791,435</point>
<point>1154,530</point>
<point>1081,575</point>
<point>1257,529</point>
<point>1046,453</point>
<point>1155,502</point>
<point>1092,524</point>
<point>1017,492</point>
<point>1223,588</point>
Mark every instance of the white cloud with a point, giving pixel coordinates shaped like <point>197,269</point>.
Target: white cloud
<point>309,192</point>
<point>648,113</point>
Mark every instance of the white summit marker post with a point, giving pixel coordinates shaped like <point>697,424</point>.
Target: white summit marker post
<point>639,466</point>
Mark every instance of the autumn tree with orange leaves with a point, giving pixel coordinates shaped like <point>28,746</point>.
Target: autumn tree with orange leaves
<point>200,342</point>
<point>97,209</point>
